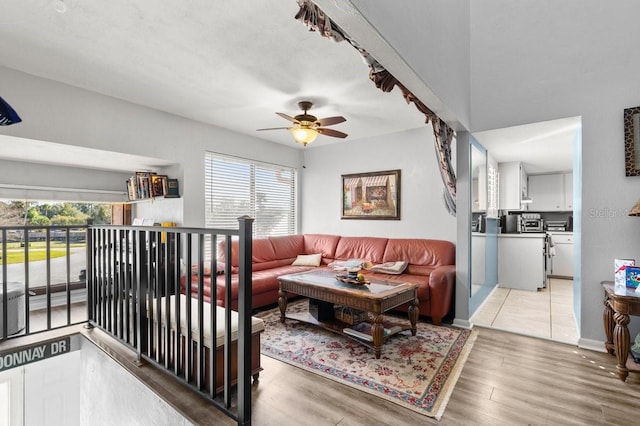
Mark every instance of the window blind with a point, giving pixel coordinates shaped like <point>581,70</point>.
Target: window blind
<point>236,187</point>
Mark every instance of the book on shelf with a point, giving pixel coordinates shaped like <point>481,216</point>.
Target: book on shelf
<point>148,185</point>
<point>172,189</point>
<point>158,185</point>
<point>363,330</point>
<point>132,190</point>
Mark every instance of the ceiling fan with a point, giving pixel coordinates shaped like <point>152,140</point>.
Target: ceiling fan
<point>306,127</point>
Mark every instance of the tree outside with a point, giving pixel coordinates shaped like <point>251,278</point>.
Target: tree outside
<point>26,213</point>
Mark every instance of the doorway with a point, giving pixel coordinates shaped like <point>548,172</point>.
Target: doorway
<point>551,311</point>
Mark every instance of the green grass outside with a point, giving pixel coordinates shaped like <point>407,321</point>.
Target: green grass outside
<point>37,251</point>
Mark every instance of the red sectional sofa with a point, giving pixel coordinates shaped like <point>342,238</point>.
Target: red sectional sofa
<point>431,264</point>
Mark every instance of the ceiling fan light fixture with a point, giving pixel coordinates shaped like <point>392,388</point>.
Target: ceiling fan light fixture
<point>304,135</point>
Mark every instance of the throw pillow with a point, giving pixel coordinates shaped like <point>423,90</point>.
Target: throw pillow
<point>394,268</point>
<point>308,260</point>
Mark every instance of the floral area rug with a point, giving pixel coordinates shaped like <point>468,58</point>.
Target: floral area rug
<point>418,372</point>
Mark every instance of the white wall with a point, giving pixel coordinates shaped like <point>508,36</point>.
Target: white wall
<point>20,181</point>
<point>439,30</point>
<point>110,395</point>
<point>539,61</point>
<point>56,112</point>
<point>160,210</point>
<point>423,214</point>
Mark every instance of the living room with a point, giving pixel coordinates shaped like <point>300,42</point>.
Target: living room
<point>551,81</point>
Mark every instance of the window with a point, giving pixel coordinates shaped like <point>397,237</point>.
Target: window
<point>235,187</point>
<point>17,214</point>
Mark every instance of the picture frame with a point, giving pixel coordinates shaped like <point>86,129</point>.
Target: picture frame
<point>632,141</point>
<point>372,195</point>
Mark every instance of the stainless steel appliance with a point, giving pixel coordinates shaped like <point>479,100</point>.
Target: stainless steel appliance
<point>510,223</point>
<point>556,225</point>
<point>531,222</point>
<point>478,224</point>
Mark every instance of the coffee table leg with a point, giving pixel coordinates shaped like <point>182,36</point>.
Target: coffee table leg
<point>377,333</point>
<point>282,304</point>
<point>414,312</point>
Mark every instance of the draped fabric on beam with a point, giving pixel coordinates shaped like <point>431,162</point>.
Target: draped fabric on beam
<point>314,18</point>
<point>8,116</point>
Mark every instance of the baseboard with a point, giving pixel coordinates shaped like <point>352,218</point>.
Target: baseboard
<point>462,323</point>
<point>592,345</point>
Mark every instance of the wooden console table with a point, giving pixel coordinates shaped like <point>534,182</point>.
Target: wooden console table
<point>617,308</point>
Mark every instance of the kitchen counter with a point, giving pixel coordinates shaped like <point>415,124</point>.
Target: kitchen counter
<point>521,261</point>
<point>524,235</point>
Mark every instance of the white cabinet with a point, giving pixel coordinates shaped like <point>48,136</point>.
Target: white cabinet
<point>478,258</point>
<point>551,192</point>
<point>512,185</point>
<point>562,262</point>
<point>479,190</point>
<point>521,262</point>
<point>568,191</point>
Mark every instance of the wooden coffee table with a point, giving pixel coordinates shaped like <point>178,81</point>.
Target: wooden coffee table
<point>377,297</point>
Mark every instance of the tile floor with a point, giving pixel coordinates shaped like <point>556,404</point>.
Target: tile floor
<point>547,313</point>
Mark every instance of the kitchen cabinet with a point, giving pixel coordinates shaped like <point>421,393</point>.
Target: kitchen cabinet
<point>551,192</point>
<point>121,214</point>
<point>568,191</point>
<point>479,191</point>
<point>512,185</point>
<point>521,262</point>
<point>562,262</point>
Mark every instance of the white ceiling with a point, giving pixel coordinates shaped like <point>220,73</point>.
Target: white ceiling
<point>227,63</point>
<point>543,147</point>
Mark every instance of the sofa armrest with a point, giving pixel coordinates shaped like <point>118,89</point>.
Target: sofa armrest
<point>442,287</point>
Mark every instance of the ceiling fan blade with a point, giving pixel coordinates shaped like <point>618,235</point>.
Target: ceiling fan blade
<point>274,128</point>
<point>331,132</point>
<point>287,117</point>
<point>331,120</point>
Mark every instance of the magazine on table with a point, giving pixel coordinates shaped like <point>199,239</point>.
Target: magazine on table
<point>363,330</point>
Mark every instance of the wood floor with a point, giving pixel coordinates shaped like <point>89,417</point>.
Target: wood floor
<point>508,379</point>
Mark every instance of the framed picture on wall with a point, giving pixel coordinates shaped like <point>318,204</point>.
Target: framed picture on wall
<point>372,195</point>
<point>632,141</point>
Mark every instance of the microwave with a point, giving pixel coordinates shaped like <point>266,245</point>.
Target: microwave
<point>532,225</point>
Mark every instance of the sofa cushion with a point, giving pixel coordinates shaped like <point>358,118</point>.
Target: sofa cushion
<point>262,251</point>
<point>421,280</point>
<point>288,246</point>
<point>264,281</point>
<point>321,243</point>
<point>420,252</point>
<point>365,248</point>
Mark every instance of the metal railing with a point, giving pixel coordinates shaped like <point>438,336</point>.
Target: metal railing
<point>148,287</point>
<point>33,280</point>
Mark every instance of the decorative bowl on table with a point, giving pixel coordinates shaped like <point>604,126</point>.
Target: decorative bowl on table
<point>352,279</point>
